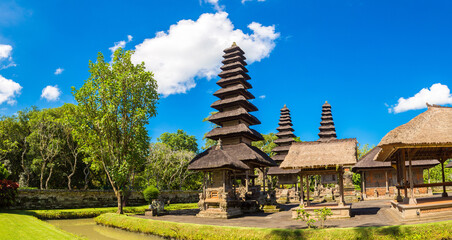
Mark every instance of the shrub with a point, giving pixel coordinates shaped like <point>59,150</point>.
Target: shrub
<point>322,214</point>
<point>151,193</point>
<point>8,192</point>
<point>304,216</point>
<point>4,174</point>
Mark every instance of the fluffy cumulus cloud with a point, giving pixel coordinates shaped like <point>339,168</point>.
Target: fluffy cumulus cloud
<point>437,94</point>
<point>51,93</point>
<point>58,71</point>
<point>216,5</point>
<point>120,44</point>
<point>5,51</point>
<point>8,90</point>
<point>262,96</point>
<point>193,49</point>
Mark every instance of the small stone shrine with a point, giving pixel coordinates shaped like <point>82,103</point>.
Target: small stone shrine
<point>229,188</point>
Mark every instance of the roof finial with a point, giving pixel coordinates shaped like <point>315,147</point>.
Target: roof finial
<point>219,145</point>
<point>234,44</point>
<point>285,105</point>
<point>326,101</point>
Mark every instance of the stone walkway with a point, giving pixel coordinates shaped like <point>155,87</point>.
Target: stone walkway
<point>364,214</point>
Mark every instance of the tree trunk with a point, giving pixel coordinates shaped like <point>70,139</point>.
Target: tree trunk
<point>48,178</point>
<point>120,204</point>
<point>86,172</point>
<point>43,165</point>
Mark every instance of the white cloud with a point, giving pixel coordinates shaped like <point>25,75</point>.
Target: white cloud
<point>5,51</point>
<point>59,71</point>
<point>215,4</point>
<point>120,44</point>
<point>437,94</point>
<point>193,49</point>
<point>8,90</point>
<point>243,1</point>
<point>262,96</point>
<point>51,93</point>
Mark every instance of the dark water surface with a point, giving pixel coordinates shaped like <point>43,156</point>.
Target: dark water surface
<point>86,227</point>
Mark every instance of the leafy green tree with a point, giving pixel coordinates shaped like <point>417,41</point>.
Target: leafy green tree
<point>179,141</point>
<point>267,144</point>
<point>167,168</point>
<point>115,103</point>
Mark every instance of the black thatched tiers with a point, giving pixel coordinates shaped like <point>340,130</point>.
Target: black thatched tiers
<point>232,131</point>
<point>236,114</point>
<point>230,157</point>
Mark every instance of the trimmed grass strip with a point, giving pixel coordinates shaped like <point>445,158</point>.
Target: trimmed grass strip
<point>24,227</point>
<point>438,230</point>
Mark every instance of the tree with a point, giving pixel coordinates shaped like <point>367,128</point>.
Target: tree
<point>179,141</point>
<point>115,103</point>
<point>167,168</point>
<point>267,144</point>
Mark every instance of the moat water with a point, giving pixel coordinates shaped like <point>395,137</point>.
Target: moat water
<point>87,228</point>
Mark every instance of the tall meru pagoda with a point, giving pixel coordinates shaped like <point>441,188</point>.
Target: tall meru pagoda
<point>327,129</point>
<point>285,176</point>
<point>228,167</point>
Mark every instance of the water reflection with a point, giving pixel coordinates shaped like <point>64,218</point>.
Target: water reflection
<point>88,228</point>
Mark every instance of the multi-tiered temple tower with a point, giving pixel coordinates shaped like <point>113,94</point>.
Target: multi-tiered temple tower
<point>327,129</point>
<point>285,176</point>
<point>228,167</point>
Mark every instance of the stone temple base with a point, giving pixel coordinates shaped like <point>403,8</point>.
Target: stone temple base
<point>219,213</point>
<point>425,209</point>
<point>338,211</point>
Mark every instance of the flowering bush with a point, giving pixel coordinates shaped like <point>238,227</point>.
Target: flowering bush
<point>8,192</point>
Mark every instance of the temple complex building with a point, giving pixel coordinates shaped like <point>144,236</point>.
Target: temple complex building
<point>229,188</point>
<point>379,179</point>
<point>285,176</point>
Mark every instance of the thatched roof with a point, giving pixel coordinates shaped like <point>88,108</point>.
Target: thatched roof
<point>233,89</point>
<point>241,79</point>
<point>230,156</point>
<point>235,130</point>
<point>280,171</point>
<point>305,155</point>
<point>239,113</point>
<point>367,162</point>
<point>430,129</point>
<point>234,101</point>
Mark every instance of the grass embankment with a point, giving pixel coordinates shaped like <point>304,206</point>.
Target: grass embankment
<point>23,227</point>
<point>439,230</point>
<point>94,212</point>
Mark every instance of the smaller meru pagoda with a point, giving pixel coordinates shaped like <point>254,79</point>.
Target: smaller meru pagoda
<point>327,129</point>
<point>229,167</point>
<point>285,176</point>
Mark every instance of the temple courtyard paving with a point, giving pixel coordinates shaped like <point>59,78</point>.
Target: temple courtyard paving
<point>372,213</point>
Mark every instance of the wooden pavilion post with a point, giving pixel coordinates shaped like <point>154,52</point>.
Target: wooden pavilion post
<point>405,190</point>
<point>399,180</point>
<point>301,190</point>
<point>429,188</point>
<point>387,185</point>
<point>341,187</point>
<point>444,194</point>
<point>247,182</point>
<point>363,182</point>
<point>307,191</point>
<point>412,200</point>
<point>204,183</point>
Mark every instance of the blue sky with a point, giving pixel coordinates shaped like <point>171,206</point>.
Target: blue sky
<point>360,56</point>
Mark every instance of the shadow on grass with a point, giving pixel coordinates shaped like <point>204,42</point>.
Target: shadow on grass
<point>285,234</point>
<point>378,232</point>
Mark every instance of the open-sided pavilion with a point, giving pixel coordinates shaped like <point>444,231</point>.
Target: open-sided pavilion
<point>427,136</point>
<point>322,158</point>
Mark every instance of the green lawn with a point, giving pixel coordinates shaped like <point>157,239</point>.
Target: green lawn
<point>94,212</point>
<point>23,227</point>
<point>438,230</point>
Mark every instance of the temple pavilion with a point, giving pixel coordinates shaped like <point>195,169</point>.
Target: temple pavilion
<point>285,176</point>
<point>427,136</point>
<point>327,156</point>
<point>379,179</point>
<point>229,188</point>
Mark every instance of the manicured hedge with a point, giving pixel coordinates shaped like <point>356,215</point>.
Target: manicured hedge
<point>439,230</point>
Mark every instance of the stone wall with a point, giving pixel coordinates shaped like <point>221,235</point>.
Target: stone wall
<point>64,199</point>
